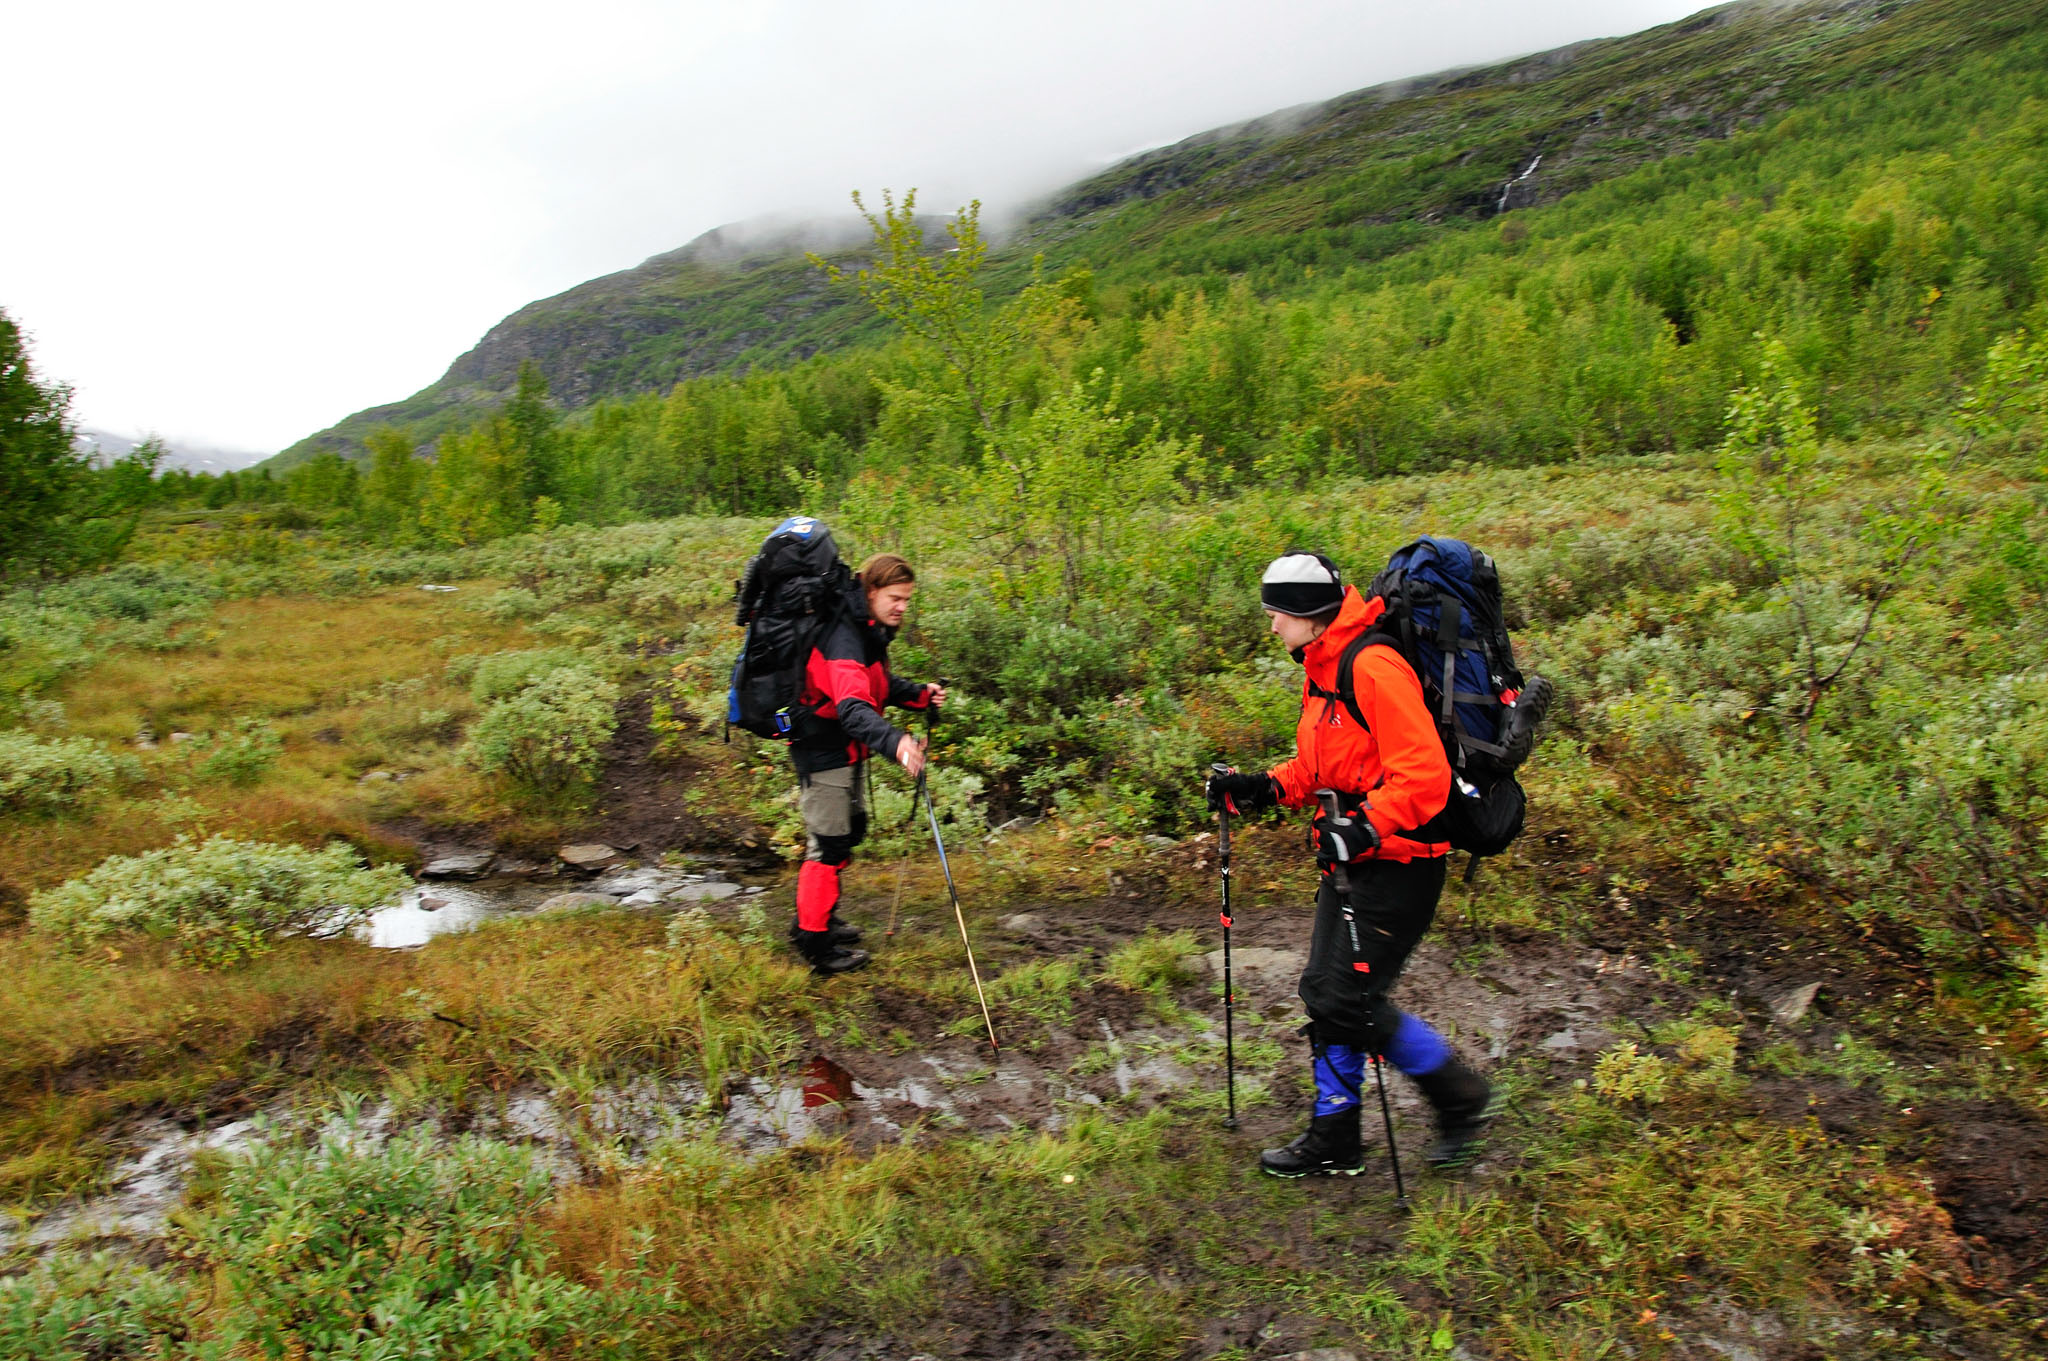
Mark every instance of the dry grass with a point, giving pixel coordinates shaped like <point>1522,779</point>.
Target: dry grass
<point>558,1000</point>
<point>277,657</point>
<point>344,683</point>
<point>92,1041</point>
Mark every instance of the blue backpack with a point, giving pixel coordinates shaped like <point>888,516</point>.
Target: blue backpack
<point>1444,616</point>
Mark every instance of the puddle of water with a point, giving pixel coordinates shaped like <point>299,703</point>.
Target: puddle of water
<point>143,1191</point>
<point>829,1085</point>
<point>599,1129</point>
<point>439,907</point>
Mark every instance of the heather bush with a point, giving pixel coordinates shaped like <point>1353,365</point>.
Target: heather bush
<point>414,1248</point>
<point>217,901</point>
<point>502,674</point>
<point>70,1306</point>
<point>57,775</point>
<point>550,735</point>
<point>239,755</point>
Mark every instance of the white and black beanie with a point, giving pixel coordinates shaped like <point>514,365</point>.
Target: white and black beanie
<point>1302,584</point>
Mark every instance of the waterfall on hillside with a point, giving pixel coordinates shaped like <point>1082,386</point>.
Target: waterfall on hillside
<point>1509,188</point>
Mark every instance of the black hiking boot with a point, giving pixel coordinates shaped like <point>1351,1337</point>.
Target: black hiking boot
<point>826,956</point>
<point>838,930</point>
<point>1329,1147</point>
<point>1463,1102</point>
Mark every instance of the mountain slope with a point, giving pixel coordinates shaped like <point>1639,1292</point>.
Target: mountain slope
<point>1356,179</point>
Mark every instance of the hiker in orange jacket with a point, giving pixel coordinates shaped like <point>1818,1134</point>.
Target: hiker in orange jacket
<point>1393,780</point>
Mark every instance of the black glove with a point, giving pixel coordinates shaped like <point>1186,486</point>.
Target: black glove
<point>1343,842</point>
<point>1240,791</point>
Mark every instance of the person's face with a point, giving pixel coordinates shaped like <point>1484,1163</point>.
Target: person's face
<point>887,606</point>
<point>1293,631</point>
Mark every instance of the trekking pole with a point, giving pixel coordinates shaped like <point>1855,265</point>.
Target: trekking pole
<point>897,902</point>
<point>1229,996</point>
<point>1379,1075</point>
<point>958,915</point>
<point>1340,874</point>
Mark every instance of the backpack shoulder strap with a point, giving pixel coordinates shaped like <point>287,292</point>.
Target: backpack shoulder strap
<point>1347,686</point>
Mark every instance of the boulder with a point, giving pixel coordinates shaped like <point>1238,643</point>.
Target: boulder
<point>459,865</point>
<point>1022,924</point>
<point>654,877</point>
<point>369,777</point>
<point>706,892</point>
<point>570,902</point>
<point>589,855</point>
<point>645,897</point>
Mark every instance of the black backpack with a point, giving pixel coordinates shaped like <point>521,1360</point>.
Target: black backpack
<point>791,594</point>
<point>1444,616</point>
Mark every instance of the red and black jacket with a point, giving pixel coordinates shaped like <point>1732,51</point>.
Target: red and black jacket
<point>846,686</point>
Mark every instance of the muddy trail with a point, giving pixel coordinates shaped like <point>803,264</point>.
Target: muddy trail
<point>1532,1007</point>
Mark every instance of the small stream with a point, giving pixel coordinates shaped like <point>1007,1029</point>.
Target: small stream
<point>580,1134</point>
<point>576,1132</point>
<point>438,907</point>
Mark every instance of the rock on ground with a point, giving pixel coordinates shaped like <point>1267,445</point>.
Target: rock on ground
<point>459,865</point>
<point>569,902</point>
<point>589,855</point>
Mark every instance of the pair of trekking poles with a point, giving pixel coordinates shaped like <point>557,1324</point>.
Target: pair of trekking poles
<point>1342,878</point>
<point>1339,872</point>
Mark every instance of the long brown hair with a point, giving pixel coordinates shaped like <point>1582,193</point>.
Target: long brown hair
<point>885,569</point>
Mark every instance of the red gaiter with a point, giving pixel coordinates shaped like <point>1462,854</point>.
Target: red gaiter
<point>817,893</point>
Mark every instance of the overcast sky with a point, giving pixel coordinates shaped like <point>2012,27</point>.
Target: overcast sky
<point>234,224</point>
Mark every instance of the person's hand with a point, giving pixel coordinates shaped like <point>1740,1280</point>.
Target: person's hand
<point>1343,842</point>
<point>1240,791</point>
<point>935,694</point>
<point>910,755</point>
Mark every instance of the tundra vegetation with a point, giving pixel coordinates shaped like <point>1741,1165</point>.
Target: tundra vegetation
<point>1756,434</point>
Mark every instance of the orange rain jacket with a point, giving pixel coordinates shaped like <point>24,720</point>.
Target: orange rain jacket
<point>1396,761</point>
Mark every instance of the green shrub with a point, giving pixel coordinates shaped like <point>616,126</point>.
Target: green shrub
<point>415,1248</point>
<point>218,901</point>
<point>72,1306</point>
<point>551,734</point>
<point>512,603</point>
<point>240,755</point>
<point>502,674</point>
<point>56,775</point>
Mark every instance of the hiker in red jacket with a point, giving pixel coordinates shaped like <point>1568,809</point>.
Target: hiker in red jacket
<point>846,686</point>
<point>1393,780</point>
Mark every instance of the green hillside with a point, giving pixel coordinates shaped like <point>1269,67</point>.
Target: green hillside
<point>1327,188</point>
<point>730,299</point>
